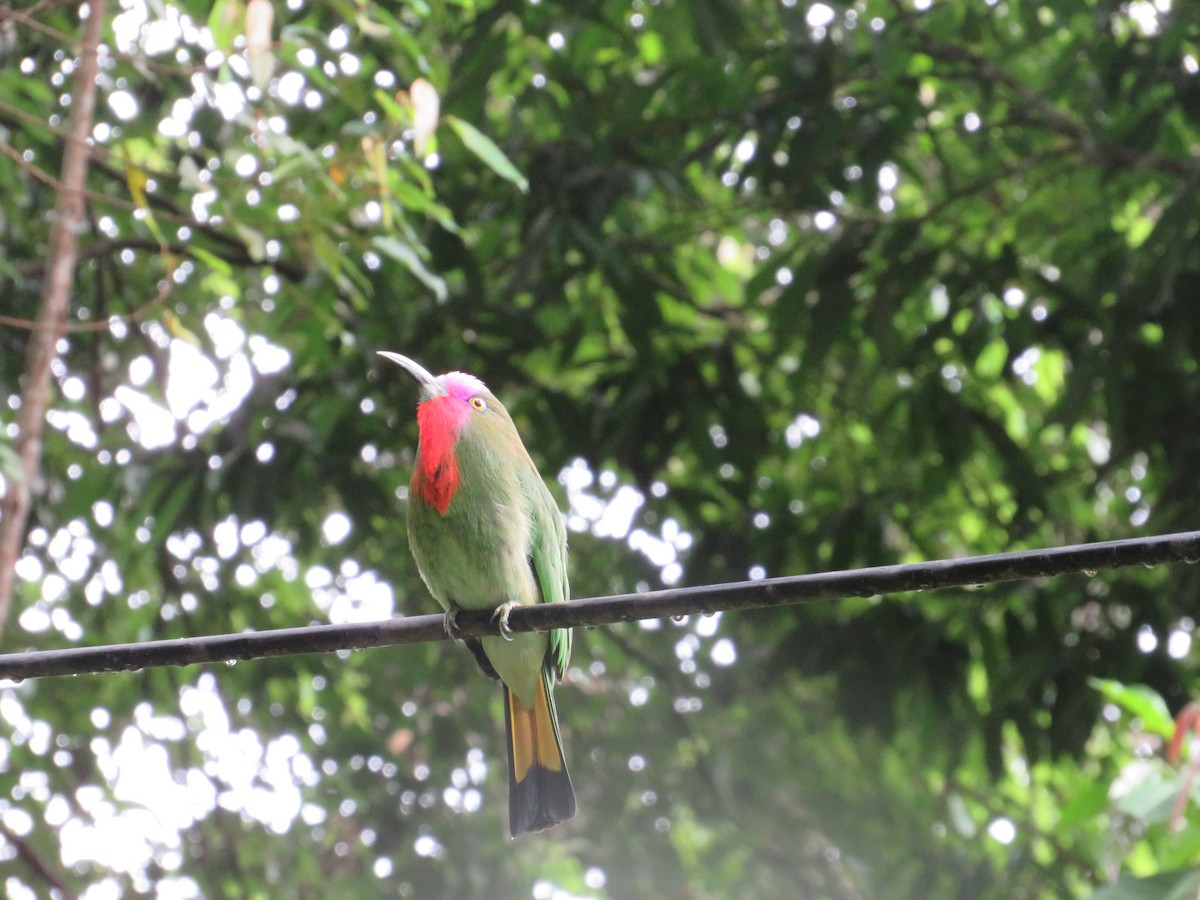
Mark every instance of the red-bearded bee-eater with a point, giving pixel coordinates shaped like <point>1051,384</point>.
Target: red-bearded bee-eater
<point>487,535</point>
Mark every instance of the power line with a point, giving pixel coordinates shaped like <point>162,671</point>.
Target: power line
<point>702,600</point>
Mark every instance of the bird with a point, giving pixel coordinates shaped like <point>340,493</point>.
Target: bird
<point>486,534</point>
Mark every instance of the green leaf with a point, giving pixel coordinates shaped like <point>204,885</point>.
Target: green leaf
<point>255,242</point>
<point>10,464</point>
<point>1138,700</point>
<point>176,499</point>
<point>417,200</point>
<point>1086,802</point>
<point>222,22</point>
<point>405,254</point>
<point>211,260</point>
<point>1152,801</point>
<point>401,33</point>
<point>990,362</point>
<point>1163,886</point>
<point>262,66</point>
<point>483,147</point>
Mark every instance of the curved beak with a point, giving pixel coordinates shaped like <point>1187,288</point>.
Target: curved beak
<point>430,386</point>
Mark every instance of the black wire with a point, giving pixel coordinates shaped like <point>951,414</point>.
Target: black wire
<point>972,570</point>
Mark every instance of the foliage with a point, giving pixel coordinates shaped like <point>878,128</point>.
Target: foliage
<point>776,287</point>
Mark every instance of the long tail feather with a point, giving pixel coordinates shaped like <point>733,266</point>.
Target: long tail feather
<point>540,795</point>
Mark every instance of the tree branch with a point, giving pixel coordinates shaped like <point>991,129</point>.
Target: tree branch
<point>56,296</point>
<point>33,19</point>
<point>34,862</point>
<point>1040,110</point>
<point>702,600</point>
<point>234,255</point>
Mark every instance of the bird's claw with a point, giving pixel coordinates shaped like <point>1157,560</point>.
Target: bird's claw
<point>450,623</point>
<point>501,618</point>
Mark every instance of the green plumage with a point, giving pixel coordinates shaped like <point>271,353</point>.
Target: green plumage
<point>500,541</point>
<point>486,532</point>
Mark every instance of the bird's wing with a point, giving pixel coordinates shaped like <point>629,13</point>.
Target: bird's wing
<point>548,555</point>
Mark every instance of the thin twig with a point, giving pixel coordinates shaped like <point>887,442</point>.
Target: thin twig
<point>1043,111</point>
<point>170,215</point>
<point>703,600</point>
<point>56,297</point>
<point>34,862</point>
<point>34,23</point>
<point>136,315</point>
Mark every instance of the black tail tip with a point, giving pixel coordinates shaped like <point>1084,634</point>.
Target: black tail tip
<point>544,799</point>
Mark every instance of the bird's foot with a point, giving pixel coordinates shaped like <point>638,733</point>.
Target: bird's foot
<point>501,619</point>
<point>450,623</point>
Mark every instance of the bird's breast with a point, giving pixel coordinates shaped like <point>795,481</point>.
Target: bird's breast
<point>473,550</point>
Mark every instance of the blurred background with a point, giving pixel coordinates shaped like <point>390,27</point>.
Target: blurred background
<point>769,287</point>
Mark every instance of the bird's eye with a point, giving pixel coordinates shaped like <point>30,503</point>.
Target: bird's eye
<point>478,403</point>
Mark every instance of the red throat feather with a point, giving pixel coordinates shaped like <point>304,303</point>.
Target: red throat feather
<point>435,478</point>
